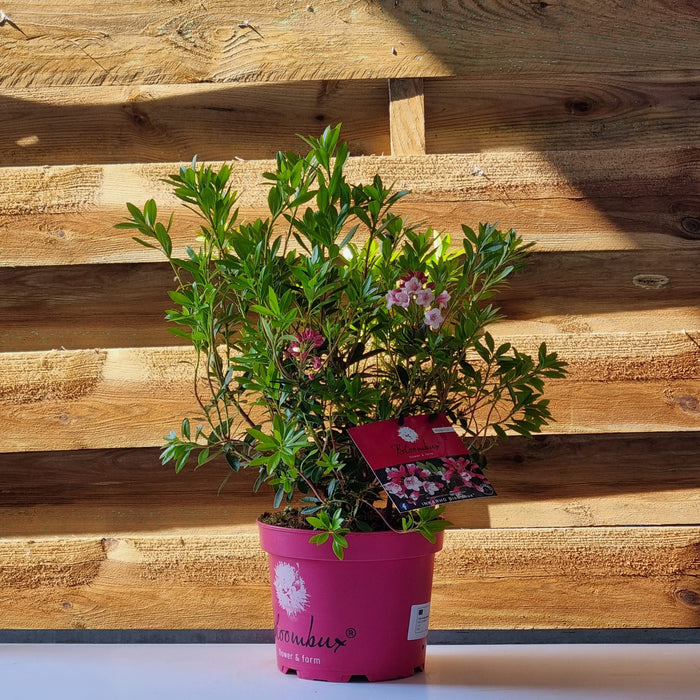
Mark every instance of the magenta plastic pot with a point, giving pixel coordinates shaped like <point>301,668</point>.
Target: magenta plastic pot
<point>364,616</point>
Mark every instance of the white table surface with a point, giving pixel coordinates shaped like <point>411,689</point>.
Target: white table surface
<point>231,671</point>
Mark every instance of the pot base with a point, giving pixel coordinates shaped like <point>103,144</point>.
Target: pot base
<point>341,677</point>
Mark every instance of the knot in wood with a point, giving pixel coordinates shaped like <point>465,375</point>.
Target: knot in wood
<point>579,106</point>
<point>689,598</point>
<point>688,404</point>
<point>691,226</point>
<point>649,281</point>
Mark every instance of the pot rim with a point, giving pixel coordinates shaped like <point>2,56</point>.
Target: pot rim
<point>362,546</point>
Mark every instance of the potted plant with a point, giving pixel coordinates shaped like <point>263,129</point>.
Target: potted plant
<point>330,314</point>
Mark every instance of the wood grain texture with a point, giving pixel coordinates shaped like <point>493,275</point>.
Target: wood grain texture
<point>551,481</point>
<point>88,43</point>
<point>143,124</point>
<point>406,116</point>
<point>533,112</point>
<point>562,112</point>
<point>635,291</point>
<point>589,480</point>
<point>557,224</point>
<point>597,577</point>
<point>473,176</point>
<point>82,399</point>
<point>575,123</point>
<point>588,200</point>
<point>544,578</point>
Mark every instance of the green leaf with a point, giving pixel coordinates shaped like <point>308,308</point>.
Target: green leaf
<point>150,212</point>
<point>319,522</point>
<point>273,301</point>
<point>138,240</point>
<point>233,461</point>
<point>339,546</point>
<point>180,298</point>
<point>135,212</point>
<point>262,310</point>
<point>403,375</point>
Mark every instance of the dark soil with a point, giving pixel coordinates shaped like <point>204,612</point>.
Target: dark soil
<point>372,520</point>
<point>289,517</point>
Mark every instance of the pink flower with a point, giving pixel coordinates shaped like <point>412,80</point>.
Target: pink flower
<point>406,481</point>
<point>300,349</point>
<point>414,469</point>
<point>442,299</point>
<point>413,285</point>
<point>306,340</point>
<point>413,483</point>
<point>398,297</point>
<point>466,477</point>
<point>425,297</point>
<point>396,474</point>
<point>434,319</point>
<point>311,338</point>
<point>457,463</point>
<point>315,364</point>
<point>421,276</point>
<point>462,469</point>
<point>432,487</point>
<point>395,489</point>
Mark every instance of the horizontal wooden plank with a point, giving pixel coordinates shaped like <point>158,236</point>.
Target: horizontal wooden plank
<point>113,492</point>
<point>83,399</point>
<point>559,224</point>
<point>127,43</point>
<point>550,481</point>
<point>601,283</point>
<point>112,124</point>
<point>571,200</point>
<point>531,578</point>
<point>446,177</point>
<point>590,480</point>
<point>106,124</point>
<point>561,112</point>
<point>45,308</point>
<point>599,577</point>
<point>77,305</point>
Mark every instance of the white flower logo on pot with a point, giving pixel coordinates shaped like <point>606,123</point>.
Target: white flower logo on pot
<point>290,589</point>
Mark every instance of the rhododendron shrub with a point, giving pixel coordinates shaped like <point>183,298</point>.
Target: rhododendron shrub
<point>331,312</point>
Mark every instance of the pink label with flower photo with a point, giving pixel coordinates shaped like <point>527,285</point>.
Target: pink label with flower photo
<point>420,461</point>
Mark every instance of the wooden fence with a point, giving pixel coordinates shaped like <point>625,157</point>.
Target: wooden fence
<point>574,122</point>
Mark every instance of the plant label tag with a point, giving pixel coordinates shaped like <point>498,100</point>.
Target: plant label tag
<point>420,461</point>
<point>419,622</point>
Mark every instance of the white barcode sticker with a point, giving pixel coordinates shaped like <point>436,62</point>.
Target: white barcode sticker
<point>418,624</point>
